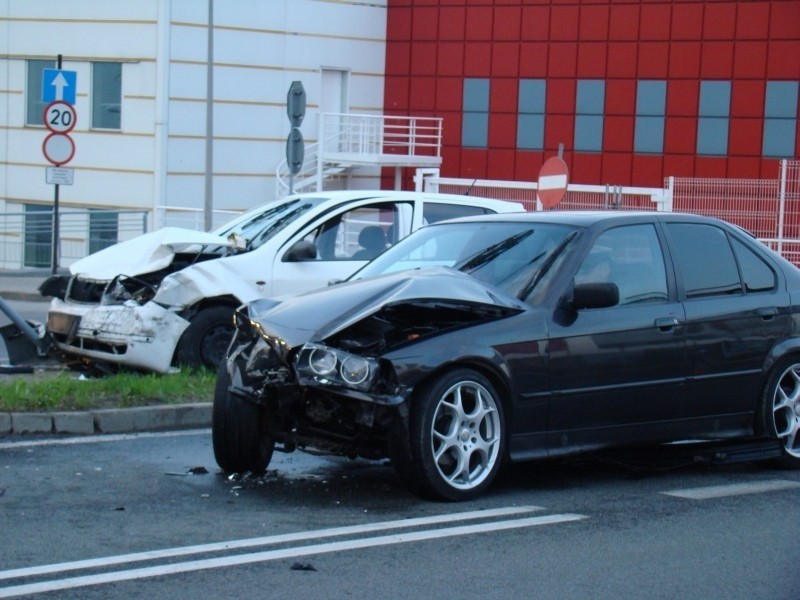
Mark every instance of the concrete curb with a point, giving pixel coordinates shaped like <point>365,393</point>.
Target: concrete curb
<point>109,420</point>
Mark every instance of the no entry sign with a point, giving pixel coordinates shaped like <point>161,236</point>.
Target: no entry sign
<point>553,179</point>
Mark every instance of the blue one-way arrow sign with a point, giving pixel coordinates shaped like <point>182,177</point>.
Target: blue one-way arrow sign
<point>59,85</point>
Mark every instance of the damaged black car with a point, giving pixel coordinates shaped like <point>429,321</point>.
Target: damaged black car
<point>484,340</point>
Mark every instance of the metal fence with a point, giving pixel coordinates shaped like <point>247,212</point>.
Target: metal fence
<point>26,237</point>
<point>577,197</point>
<point>769,208</point>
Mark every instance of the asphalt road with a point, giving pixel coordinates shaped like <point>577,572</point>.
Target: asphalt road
<point>155,525</point>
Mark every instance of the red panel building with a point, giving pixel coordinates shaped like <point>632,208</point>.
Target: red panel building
<point>635,90</point>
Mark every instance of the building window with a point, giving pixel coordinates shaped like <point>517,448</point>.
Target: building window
<point>103,229</point>
<point>713,117</point>
<point>651,102</point>
<point>780,119</point>
<point>530,120</point>
<point>35,107</point>
<point>475,123</point>
<point>589,108</point>
<point>38,250</point>
<point>106,95</point>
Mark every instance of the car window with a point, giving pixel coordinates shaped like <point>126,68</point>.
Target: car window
<point>433,212</point>
<point>631,257</point>
<point>705,259</point>
<point>757,275</point>
<point>260,225</point>
<point>361,233</point>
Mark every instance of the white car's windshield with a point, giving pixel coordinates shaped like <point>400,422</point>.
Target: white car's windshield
<point>260,225</point>
<point>506,255</point>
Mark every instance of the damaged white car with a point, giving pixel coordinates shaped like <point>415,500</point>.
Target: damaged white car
<point>166,298</point>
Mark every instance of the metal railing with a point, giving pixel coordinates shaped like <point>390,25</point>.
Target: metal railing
<point>577,196</point>
<point>768,208</point>
<point>347,140</point>
<point>26,237</point>
<point>376,135</point>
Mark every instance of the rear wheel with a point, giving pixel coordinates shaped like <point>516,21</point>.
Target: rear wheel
<point>457,437</point>
<point>237,431</point>
<point>781,409</point>
<point>205,341</point>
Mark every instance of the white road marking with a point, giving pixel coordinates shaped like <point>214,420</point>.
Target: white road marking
<point>265,541</point>
<point>736,489</point>
<point>108,437</point>
<point>270,555</point>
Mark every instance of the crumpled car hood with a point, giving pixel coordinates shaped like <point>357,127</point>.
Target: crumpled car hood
<point>322,313</point>
<point>143,254</point>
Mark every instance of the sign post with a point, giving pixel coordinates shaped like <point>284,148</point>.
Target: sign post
<point>59,91</point>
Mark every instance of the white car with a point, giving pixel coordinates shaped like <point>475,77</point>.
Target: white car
<point>166,298</point>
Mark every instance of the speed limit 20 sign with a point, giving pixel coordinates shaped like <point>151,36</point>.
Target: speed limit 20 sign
<point>60,117</point>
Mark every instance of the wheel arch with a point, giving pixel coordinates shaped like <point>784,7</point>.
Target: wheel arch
<point>496,372</point>
<point>227,300</point>
<point>786,350</point>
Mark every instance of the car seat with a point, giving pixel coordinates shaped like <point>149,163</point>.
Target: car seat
<point>372,240</point>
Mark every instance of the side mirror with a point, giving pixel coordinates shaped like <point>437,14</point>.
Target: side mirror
<point>594,295</point>
<point>300,251</point>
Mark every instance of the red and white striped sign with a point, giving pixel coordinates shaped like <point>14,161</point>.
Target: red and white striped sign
<point>553,178</point>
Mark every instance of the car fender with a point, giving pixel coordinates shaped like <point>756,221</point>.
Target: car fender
<point>780,350</point>
<point>222,277</point>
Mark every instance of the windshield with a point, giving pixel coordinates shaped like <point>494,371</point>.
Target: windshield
<point>260,225</point>
<point>507,255</point>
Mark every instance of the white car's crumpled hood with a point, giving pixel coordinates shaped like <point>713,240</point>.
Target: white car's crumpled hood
<point>143,254</point>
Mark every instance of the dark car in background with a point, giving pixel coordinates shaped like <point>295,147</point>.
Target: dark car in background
<point>517,337</point>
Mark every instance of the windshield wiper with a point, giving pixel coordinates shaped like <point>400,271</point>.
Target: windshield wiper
<point>548,262</point>
<point>492,252</point>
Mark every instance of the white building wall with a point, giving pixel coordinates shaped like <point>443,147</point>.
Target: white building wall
<point>158,158</point>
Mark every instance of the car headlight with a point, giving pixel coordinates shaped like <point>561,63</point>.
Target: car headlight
<point>331,366</point>
<point>354,370</point>
<point>322,361</point>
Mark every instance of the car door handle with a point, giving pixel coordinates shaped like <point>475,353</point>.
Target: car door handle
<point>667,323</point>
<point>768,313</point>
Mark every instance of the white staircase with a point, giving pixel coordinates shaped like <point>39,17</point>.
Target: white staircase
<point>348,141</point>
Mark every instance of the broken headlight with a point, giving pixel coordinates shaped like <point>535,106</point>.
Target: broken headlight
<point>331,366</point>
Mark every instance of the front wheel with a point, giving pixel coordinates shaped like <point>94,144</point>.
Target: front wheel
<point>781,409</point>
<point>238,431</point>
<point>205,341</point>
<point>457,437</point>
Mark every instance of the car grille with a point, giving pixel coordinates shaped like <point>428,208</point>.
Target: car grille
<point>86,292</point>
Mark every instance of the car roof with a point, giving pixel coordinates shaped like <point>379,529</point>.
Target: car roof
<point>350,195</point>
<point>580,218</point>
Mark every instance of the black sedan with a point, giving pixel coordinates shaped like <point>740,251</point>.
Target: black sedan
<point>517,337</point>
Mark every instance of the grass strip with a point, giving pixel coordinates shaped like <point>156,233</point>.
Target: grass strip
<point>68,391</point>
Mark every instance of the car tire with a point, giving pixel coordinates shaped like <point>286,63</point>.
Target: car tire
<point>237,430</point>
<point>206,340</point>
<point>781,409</point>
<point>457,437</point>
